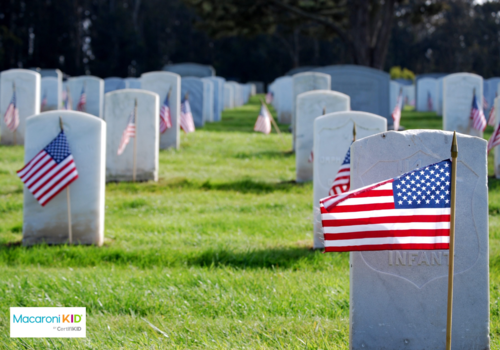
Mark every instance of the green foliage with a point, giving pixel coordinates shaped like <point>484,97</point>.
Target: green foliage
<point>216,254</point>
<point>398,73</point>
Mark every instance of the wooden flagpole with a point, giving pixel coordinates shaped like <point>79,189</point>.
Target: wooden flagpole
<point>14,137</point>
<point>451,257</point>
<point>353,132</point>
<point>68,201</point>
<point>272,119</point>
<point>135,142</point>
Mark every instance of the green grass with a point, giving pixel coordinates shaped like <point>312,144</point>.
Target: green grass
<point>215,255</point>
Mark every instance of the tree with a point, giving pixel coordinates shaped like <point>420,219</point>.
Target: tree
<point>363,26</point>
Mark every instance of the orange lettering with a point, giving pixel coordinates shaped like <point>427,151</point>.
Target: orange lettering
<point>66,318</point>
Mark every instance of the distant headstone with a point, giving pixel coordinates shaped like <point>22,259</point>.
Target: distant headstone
<point>259,86</point>
<point>51,89</point>
<point>490,87</point>
<point>190,70</point>
<point>45,73</point>
<point>113,83</point>
<point>195,88</point>
<point>311,105</point>
<point>161,83</point>
<point>302,69</point>
<point>27,84</point>
<point>394,93</point>
<point>208,100</point>
<point>409,95</point>
<point>367,87</point>
<point>218,96</point>
<point>439,109</point>
<point>132,83</point>
<point>427,87</point>
<point>228,96</point>
<point>458,91</point>
<point>237,96</point>
<point>398,299</point>
<point>283,95</point>
<point>119,105</point>
<point>94,91</point>
<point>303,82</point>
<point>86,136</point>
<point>332,139</point>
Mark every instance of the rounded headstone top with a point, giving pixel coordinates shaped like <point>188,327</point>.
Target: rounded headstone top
<point>351,67</point>
<point>85,77</point>
<point>331,93</point>
<point>131,91</point>
<point>44,116</point>
<point>461,75</point>
<point>308,73</point>
<point>18,71</point>
<point>190,69</point>
<point>347,114</point>
<point>160,73</point>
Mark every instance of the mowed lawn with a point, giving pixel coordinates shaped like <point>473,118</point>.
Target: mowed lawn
<point>217,254</point>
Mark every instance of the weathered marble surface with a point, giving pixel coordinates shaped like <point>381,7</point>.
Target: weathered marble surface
<point>161,83</point>
<point>195,87</point>
<point>119,105</point>
<point>114,83</point>
<point>28,86</point>
<point>404,305</point>
<point>208,100</point>
<point>87,140</point>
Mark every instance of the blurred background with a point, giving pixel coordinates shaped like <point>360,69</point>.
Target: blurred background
<point>250,39</point>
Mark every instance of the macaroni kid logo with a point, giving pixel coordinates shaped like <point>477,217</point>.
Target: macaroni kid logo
<point>47,322</point>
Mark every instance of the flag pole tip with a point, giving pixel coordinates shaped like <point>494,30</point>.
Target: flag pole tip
<point>354,131</point>
<point>61,123</point>
<point>454,146</point>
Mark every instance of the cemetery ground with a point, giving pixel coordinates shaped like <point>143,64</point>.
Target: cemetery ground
<point>217,254</point>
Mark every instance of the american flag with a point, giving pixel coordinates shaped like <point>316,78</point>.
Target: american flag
<point>396,113</point>
<point>485,103</point>
<point>263,123</point>
<point>44,101</point>
<point>411,211</point>
<point>269,97</point>
<point>127,134</point>
<point>50,171</point>
<point>477,116</point>
<point>311,157</point>
<point>66,100</point>
<point>491,116</point>
<point>494,139</point>
<point>187,123</point>
<point>342,181</point>
<point>429,102</point>
<point>165,118</point>
<point>11,116</point>
<point>82,101</point>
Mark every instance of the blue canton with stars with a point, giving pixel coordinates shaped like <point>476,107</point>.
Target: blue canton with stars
<point>428,187</point>
<point>347,159</point>
<point>58,149</point>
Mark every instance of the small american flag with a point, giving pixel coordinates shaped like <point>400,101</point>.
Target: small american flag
<point>82,101</point>
<point>127,134</point>
<point>311,157</point>
<point>494,139</point>
<point>11,116</point>
<point>411,211</point>
<point>342,181</point>
<point>396,113</point>
<point>491,116</point>
<point>429,102</point>
<point>477,116</point>
<point>263,123</point>
<point>165,118</point>
<point>66,100</point>
<point>50,171</point>
<point>44,101</point>
<point>187,123</point>
<point>269,97</point>
<point>485,103</point>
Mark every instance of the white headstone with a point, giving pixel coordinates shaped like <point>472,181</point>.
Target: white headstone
<point>490,92</point>
<point>439,110</point>
<point>458,91</point>
<point>132,83</point>
<point>303,82</point>
<point>311,105</point>
<point>161,83</point>
<point>218,97</point>
<point>284,99</point>
<point>113,83</point>
<point>398,299</point>
<point>228,96</point>
<point>409,95</point>
<point>86,136</point>
<point>195,88</point>
<point>332,139</point>
<point>236,93</point>
<point>94,91</point>
<point>119,105</point>
<point>394,93</point>
<point>190,70</point>
<point>427,87</point>
<point>208,100</point>
<point>28,101</point>
<point>51,89</point>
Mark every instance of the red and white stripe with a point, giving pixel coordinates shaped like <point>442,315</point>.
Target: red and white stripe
<point>311,157</point>
<point>396,113</point>
<point>342,181</point>
<point>186,121</point>
<point>11,117</point>
<point>478,119</point>
<point>366,219</point>
<point>82,102</point>
<point>491,116</point>
<point>44,178</point>
<point>263,123</point>
<point>494,139</point>
<point>127,134</point>
<point>165,119</point>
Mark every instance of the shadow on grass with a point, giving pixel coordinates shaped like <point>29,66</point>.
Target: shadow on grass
<point>88,256</point>
<point>265,155</point>
<point>242,186</point>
